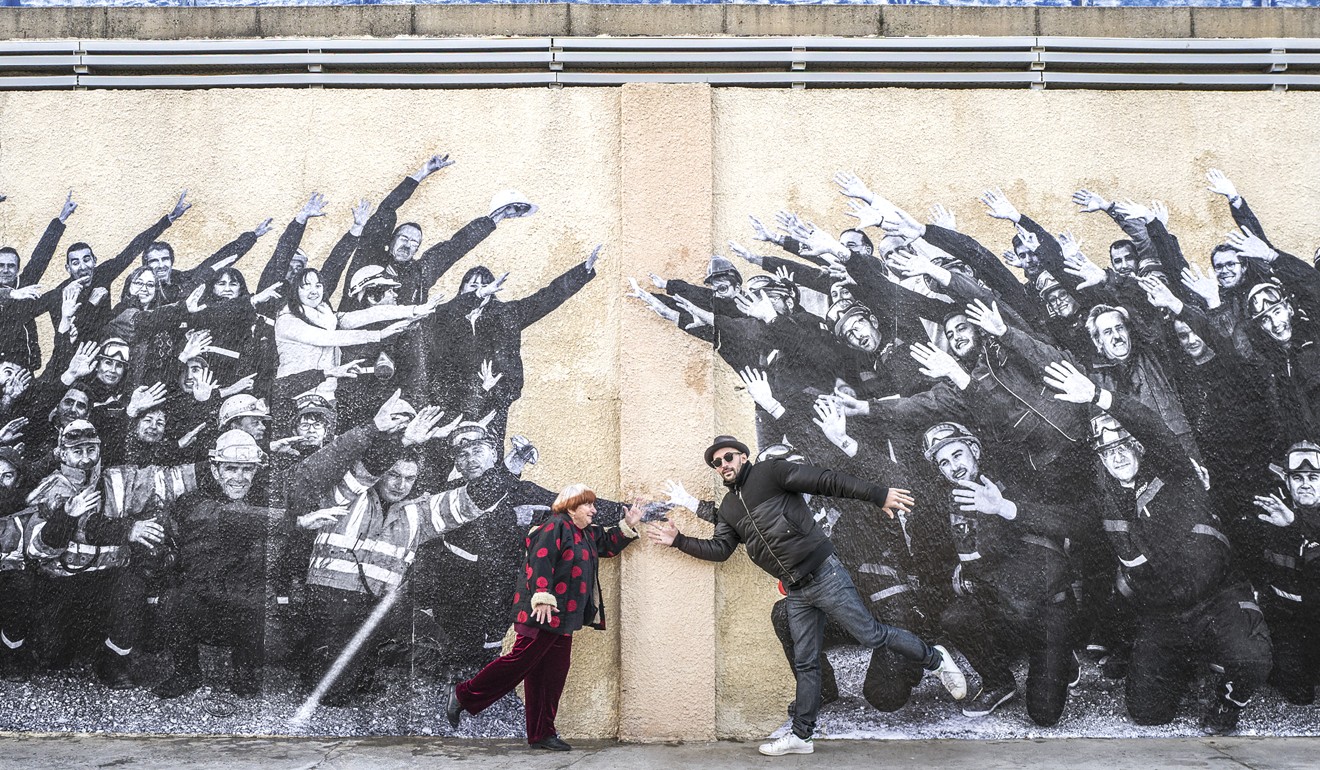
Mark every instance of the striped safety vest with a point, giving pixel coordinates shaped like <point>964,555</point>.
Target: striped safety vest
<point>125,491</point>
<point>368,552</point>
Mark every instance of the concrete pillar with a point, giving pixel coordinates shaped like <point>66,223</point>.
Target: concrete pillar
<point>667,605</point>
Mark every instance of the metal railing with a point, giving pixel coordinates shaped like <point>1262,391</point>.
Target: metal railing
<point>949,62</point>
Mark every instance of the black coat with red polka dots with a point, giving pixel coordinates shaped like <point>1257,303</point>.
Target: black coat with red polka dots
<point>561,564</point>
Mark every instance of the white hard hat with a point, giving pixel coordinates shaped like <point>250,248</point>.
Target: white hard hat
<point>505,197</point>
<point>237,446</point>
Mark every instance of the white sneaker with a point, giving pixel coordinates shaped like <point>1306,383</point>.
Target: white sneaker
<point>789,744</point>
<point>950,675</point>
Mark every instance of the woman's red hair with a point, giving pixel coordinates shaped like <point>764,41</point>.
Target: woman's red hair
<point>572,496</point>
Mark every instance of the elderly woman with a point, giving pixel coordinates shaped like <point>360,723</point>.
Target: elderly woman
<point>560,593</point>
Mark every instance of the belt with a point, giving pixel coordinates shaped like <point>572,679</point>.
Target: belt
<point>808,578</point>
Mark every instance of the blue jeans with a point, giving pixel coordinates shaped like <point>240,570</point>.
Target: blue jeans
<point>831,595</point>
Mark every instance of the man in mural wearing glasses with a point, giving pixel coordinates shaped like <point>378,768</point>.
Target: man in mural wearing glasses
<point>1175,563</point>
<point>765,510</point>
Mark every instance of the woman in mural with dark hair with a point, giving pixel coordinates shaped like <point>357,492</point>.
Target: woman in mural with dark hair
<point>560,594</point>
<point>144,321</point>
<point>238,334</point>
<point>308,335</point>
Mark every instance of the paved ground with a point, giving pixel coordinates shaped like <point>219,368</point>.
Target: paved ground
<point>37,752</point>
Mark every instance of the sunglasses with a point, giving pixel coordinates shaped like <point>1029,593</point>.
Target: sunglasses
<point>719,460</point>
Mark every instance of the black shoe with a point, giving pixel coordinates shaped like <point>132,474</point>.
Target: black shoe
<point>177,686</point>
<point>112,670</point>
<point>986,701</point>
<point>1221,719</point>
<point>553,743</point>
<point>17,665</point>
<point>453,709</point>
<point>1114,665</point>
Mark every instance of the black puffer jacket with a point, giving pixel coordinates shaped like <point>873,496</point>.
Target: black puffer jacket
<point>765,511</point>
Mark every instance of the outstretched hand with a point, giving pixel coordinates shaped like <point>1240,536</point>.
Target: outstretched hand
<point>898,501</point>
<point>662,532</point>
<point>1073,386</point>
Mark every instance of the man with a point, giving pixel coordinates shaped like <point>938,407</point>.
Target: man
<point>466,581</point>
<point>219,542</point>
<point>1137,366</point>
<point>1288,567</point>
<point>1012,580</point>
<point>384,244</point>
<point>18,330</point>
<point>356,493</point>
<point>173,285</point>
<point>244,412</point>
<point>1285,344</point>
<point>1174,564</point>
<point>765,511</point>
<point>1123,257</point>
<point>93,535</point>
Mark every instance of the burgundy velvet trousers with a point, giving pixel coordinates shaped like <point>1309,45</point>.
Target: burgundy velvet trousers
<point>541,664</point>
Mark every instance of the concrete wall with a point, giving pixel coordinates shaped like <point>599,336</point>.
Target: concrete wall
<point>663,176</point>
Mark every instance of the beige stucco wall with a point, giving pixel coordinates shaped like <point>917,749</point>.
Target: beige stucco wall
<point>244,156</point>
<point>661,175</point>
<point>778,149</point>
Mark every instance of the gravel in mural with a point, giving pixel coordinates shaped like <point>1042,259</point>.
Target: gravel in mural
<point>1116,470</point>
<point>223,500</point>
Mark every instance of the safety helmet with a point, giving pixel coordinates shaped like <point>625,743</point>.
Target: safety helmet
<point>1263,297</point>
<point>508,197</point>
<point>237,446</point>
<point>242,405</point>
<point>369,277</point>
<point>940,434</point>
<point>77,433</point>
<point>719,266</point>
<point>1106,431</point>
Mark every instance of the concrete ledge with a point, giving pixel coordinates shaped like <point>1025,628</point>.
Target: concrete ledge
<point>551,19</point>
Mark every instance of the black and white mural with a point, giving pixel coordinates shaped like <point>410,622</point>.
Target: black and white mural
<point>288,505</point>
<point>1113,453</point>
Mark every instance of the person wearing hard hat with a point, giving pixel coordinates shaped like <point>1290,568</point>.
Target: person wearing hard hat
<point>356,495</point>
<point>387,244</point>
<point>1285,559</point>
<point>219,540</point>
<point>387,362</point>
<point>95,535</point>
<point>1285,341</point>
<point>1175,564</point>
<point>1012,580</point>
